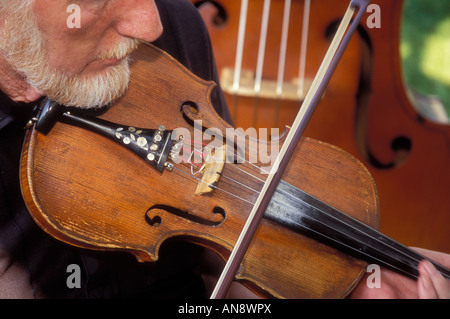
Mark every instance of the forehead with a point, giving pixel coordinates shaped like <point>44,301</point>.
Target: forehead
<point>55,13</point>
<point>51,8</point>
<point>85,4</point>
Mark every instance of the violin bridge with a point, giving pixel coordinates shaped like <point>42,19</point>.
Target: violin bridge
<point>211,170</point>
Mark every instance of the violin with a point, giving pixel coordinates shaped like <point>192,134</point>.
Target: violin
<point>87,182</point>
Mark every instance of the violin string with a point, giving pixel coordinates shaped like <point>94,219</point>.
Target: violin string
<point>303,202</point>
<point>213,186</point>
<point>317,221</point>
<point>242,184</point>
<point>312,230</point>
<point>256,167</point>
<point>226,177</point>
<point>253,165</point>
<point>235,166</point>
<point>352,248</point>
<point>352,227</point>
<point>244,171</point>
<point>283,192</point>
<point>377,239</point>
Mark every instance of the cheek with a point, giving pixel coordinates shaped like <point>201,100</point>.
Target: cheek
<point>72,38</point>
<point>68,54</point>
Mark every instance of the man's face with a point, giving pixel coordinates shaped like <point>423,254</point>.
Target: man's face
<point>85,66</point>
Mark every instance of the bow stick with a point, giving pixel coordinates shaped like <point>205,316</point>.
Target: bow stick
<point>312,98</point>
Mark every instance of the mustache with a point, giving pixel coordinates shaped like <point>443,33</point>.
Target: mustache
<point>123,49</point>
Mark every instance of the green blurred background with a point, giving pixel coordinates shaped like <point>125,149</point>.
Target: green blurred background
<point>425,47</point>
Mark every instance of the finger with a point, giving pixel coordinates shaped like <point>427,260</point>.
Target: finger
<point>440,284</point>
<point>431,284</point>
<point>425,289</point>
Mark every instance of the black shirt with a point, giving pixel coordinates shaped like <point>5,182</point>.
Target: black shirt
<point>34,265</point>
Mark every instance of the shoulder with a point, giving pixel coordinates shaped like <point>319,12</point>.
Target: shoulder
<point>185,36</point>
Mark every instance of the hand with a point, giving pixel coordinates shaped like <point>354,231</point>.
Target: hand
<point>430,284</point>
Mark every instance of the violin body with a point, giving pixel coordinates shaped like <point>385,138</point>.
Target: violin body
<point>366,109</point>
<point>89,192</point>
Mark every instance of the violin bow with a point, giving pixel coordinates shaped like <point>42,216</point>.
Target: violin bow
<point>337,47</point>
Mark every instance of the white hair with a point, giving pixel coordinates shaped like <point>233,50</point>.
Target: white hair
<point>14,5</point>
<point>24,49</point>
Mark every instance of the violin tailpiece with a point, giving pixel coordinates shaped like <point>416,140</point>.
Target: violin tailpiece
<point>152,145</point>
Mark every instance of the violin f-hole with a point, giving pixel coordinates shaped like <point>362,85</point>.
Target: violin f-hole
<point>155,219</point>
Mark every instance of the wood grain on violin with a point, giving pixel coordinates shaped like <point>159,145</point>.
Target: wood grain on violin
<point>89,191</point>
<point>366,109</point>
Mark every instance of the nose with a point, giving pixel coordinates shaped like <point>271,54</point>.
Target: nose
<point>139,19</point>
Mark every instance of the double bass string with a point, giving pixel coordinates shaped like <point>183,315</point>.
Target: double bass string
<point>282,58</point>
<point>239,53</point>
<point>260,61</point>
<point>303,50</point>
